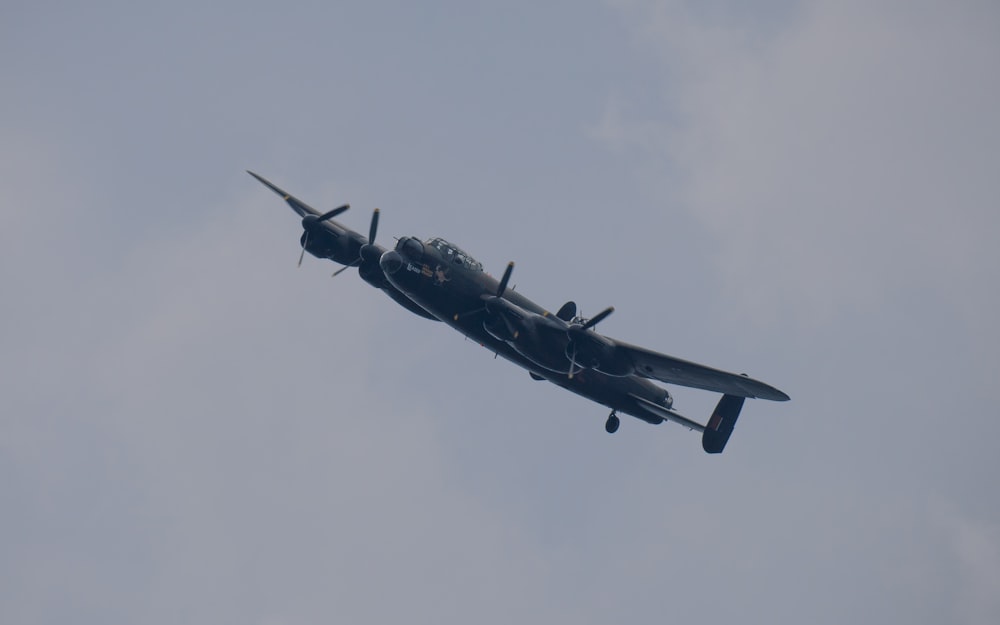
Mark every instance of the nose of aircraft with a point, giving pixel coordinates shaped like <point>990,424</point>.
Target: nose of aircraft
<point>391,262</point>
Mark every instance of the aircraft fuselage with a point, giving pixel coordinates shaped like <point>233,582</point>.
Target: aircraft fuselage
<point>450,285</point>
<point>439,281</point>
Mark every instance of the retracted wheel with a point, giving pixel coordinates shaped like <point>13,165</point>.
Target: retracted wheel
<point>612,425</point>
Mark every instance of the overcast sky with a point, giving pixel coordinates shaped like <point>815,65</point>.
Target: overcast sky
<point>192,430</point>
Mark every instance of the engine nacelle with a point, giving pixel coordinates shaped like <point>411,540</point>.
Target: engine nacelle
<point>548,343</point>
<point>372,274</point>
<point>536,337</point>
<point>323,244</point>
<point>498,329</point>
<point>593,351</point>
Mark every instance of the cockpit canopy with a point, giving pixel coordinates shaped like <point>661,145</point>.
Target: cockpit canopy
<point>454,255</point>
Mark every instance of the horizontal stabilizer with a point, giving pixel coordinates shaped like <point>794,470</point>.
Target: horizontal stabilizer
<point>720,426</point>
<point>667,414</point>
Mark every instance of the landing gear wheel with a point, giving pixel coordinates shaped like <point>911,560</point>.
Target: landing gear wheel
<point>612,425</point>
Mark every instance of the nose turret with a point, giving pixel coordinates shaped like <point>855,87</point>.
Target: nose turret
<point>408,250</point>
<point>411,249</point>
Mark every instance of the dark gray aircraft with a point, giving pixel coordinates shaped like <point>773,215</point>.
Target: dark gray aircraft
<point>437,280</point>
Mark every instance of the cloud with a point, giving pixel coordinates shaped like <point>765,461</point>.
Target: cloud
<point>842,158</point>
<point>190,440</point>
<point>974,546</point>
<point>839,158</point>
<point>192,429</point>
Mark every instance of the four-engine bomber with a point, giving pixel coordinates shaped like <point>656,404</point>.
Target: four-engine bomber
<point>439,281</point>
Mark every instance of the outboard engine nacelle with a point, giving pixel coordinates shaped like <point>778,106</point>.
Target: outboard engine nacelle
<point>323,244</point>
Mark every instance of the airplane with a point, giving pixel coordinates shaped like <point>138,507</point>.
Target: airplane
<point>439,281</point>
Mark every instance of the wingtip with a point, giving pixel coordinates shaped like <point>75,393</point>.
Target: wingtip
<point>259,178</point>
<point>267,183</point>
<point>774,394</point>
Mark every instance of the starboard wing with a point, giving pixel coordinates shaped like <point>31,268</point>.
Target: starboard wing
<point>650,364</point>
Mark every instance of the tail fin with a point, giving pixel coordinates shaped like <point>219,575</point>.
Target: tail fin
<point>567,312</point>
<point>720,426</point>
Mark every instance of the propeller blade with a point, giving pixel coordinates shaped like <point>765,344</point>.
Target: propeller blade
<point>373,228</point>
<point>369,253</point>
<point>505,279</point>
<point>510,327</point>
<point>474,311</point>
<point>331,214</point>
<point>572,360</point>
<point>601,316</point>
<point>305,240</point>
<point>344,268</point>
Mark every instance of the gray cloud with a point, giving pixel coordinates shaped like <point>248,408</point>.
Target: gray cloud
<point>840,159</point>
<point>194,430</point>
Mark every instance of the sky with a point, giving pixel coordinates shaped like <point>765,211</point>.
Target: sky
<point>193,430</point>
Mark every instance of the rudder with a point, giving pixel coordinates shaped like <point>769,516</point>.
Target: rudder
<point>721,425</point>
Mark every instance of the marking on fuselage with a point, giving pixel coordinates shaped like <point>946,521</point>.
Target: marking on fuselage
<point>441,275</point>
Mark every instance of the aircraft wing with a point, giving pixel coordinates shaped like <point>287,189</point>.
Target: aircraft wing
<point>650,364</point>
<point>297,205</point>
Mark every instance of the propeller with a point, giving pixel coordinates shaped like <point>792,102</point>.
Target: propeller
<point>501,289</point>
<point>572,360</point>
<point>343,269</point>
<point>310,221</point>
<point>368,252</point>
<point>373,228</point>
<point>601,316</point>
<point>577,330</point>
